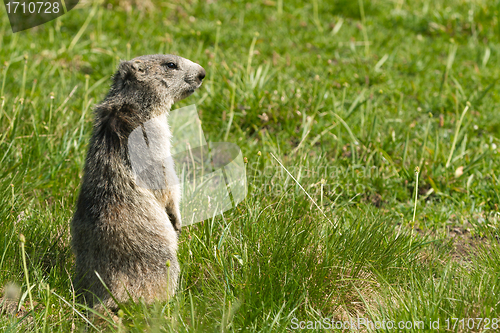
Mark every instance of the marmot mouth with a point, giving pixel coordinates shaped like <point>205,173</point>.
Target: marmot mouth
<point>192,89</point>
<point>188,92</point>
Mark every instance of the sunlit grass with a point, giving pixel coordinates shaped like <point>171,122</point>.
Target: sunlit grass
<point>351,96</point>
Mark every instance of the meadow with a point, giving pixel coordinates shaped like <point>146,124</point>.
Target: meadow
<point>371,132</point>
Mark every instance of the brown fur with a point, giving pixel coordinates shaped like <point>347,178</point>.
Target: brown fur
<point>124,232</point>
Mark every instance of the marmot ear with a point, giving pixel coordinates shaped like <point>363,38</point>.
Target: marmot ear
<point>130,69</point>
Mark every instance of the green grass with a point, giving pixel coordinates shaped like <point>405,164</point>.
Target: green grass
<point>351,96</point>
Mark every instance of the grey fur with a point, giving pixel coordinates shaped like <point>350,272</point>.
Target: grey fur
<point>120,230</point>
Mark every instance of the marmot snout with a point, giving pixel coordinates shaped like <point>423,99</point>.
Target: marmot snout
<point>124,232</point>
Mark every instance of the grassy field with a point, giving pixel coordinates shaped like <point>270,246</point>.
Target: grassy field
<point>368,104</point>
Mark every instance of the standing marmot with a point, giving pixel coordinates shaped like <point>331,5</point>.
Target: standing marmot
<point>121,230</point>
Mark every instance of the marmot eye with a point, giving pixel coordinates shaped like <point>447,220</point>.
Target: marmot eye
<point>171,65</point>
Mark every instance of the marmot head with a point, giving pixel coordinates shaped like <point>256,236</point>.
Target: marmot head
<point>163,79</point>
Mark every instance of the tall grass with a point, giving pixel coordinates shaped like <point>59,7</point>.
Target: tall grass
<point>340,93</point>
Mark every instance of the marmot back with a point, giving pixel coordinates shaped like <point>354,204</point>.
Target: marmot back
<point>124,232</point>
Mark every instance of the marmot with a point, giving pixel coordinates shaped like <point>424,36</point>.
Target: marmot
<point>123,231</point>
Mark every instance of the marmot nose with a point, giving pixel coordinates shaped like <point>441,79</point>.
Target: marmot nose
<point>201,74</point>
